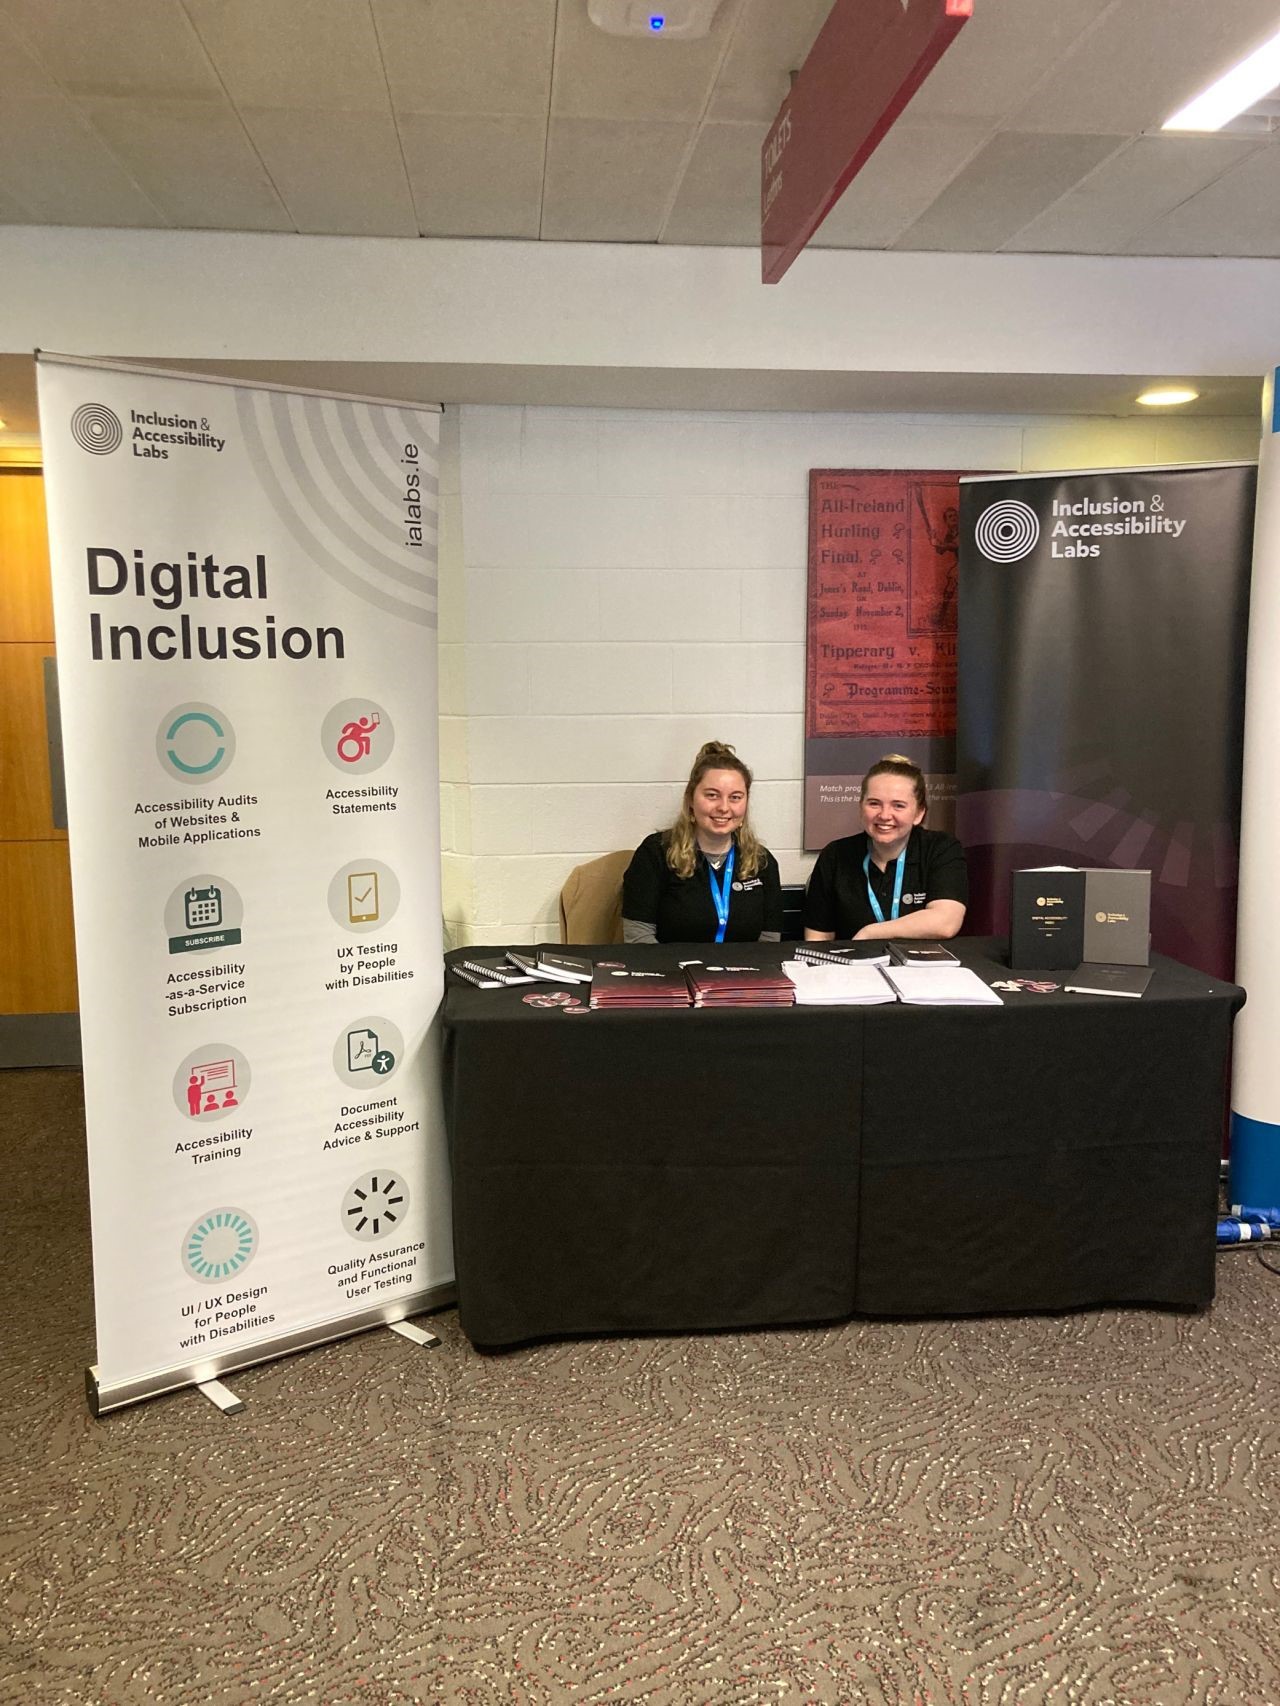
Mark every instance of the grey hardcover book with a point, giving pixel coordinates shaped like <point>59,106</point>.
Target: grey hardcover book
<point>1117,917</point>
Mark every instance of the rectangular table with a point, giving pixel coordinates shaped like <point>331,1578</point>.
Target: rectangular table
<point>715,1168</point>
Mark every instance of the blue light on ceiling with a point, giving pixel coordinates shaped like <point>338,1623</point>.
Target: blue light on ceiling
<point>657,23</point>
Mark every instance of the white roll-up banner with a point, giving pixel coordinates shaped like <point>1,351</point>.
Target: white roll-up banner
<point>1255,1091</point>
<point>244,584</point>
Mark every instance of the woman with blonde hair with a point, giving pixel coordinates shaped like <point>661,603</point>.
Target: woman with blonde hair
<point>895,880</point>
<point>707,878</point>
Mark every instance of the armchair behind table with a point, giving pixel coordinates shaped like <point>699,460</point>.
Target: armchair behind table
<point>591,900</point>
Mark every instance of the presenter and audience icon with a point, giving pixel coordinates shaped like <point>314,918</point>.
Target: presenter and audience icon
<point>211,1084</point>
<point>211,1087</point>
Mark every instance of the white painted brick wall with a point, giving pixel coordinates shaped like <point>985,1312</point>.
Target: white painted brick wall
<point>619,586</point>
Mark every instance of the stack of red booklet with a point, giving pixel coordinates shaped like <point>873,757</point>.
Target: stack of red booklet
<point>639,989</point>
<point>739,986</point>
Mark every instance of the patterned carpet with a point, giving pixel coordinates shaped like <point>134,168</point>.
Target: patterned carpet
<point>1068,1509</point>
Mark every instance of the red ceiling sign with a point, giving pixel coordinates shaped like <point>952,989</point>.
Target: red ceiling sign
<point>869,59</point>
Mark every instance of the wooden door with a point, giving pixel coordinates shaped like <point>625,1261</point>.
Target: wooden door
<point>37,945</point>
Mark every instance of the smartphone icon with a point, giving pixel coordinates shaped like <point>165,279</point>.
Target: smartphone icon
<point>362,897</point>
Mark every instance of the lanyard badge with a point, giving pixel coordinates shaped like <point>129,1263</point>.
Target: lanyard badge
<point>720,895</point>
<point>901,864</point>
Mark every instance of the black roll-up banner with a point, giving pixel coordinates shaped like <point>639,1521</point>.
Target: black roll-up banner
<point>1100,715</point>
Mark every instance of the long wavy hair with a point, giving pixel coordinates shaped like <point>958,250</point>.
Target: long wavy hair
<point>895,764</point>
<point>682,837</point>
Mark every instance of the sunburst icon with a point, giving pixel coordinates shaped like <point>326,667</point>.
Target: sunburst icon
<point>375,1205</point>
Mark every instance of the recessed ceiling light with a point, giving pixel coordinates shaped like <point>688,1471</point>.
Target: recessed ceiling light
<point>1233,92</point>
<point>1167,396</point>
<point>1,426</point>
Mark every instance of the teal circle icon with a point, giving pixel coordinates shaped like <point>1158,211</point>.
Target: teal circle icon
<point>219,1244</point>
<point>196,743</point>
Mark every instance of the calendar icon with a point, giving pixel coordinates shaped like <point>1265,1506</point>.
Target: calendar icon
<point>203,907</point>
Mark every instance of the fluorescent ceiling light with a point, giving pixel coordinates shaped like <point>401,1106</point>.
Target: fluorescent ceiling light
<point>1168,396</point>
<point>1233,93</point>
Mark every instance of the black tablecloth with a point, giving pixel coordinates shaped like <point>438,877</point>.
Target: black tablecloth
<point>725,1168</point>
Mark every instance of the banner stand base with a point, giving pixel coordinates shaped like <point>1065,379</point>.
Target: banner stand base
<point>105,1396</point>
<point>222,1396</point>
<point>416,1335</point>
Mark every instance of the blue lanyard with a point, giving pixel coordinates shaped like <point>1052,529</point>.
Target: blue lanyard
<point>720,896</point>
<point>901,863</point>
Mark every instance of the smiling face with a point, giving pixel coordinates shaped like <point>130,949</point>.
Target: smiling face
<point>890,811</point>
<point>719,805</point>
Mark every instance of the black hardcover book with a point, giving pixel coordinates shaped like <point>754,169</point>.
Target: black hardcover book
<point>1095,979</point>
<point>1046,918</point>
<point>921,954</point>
<point>566,965</point>
<point>532,967</point>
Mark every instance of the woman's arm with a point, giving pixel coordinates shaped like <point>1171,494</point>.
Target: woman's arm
<point>642,891</point>
<point>934,922</point>
<point>819,901</point>
<point>947,886</point>
<point>771,930</point>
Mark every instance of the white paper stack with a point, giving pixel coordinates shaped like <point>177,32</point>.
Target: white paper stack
<point>940,986</point>
<point>849,985</point>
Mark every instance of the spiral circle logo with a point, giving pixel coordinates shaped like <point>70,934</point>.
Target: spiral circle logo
<point>1007,531</point>
<point>97,429</point>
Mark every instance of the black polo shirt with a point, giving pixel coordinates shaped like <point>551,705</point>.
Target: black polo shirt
<point>681,908</point>
<point>836,898</point>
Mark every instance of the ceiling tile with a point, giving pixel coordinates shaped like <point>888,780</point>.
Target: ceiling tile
<point>129,48</point>
<point>1142,62</point>
<point>342,177</point>
<point>1004,186</point>
<point>308,53</point>
<point>770,42</point>
<point>906,174</point>
<point>194,161</point>
<point>22,77</point>
<point>1001,53</point>
<point>719,197</point>
<point>613,77</point>
<point>610,182</point>
<point>13,211</point>
<point>1151,177</point>
<point>468,56</point>
<point>1237,215</point>
<point>55,164</point>
<point>474,177</point>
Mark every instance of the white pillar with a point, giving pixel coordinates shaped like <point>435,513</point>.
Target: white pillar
<point>1255,1095</point>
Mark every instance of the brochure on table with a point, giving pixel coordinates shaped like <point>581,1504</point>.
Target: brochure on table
<point>245,602</point>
